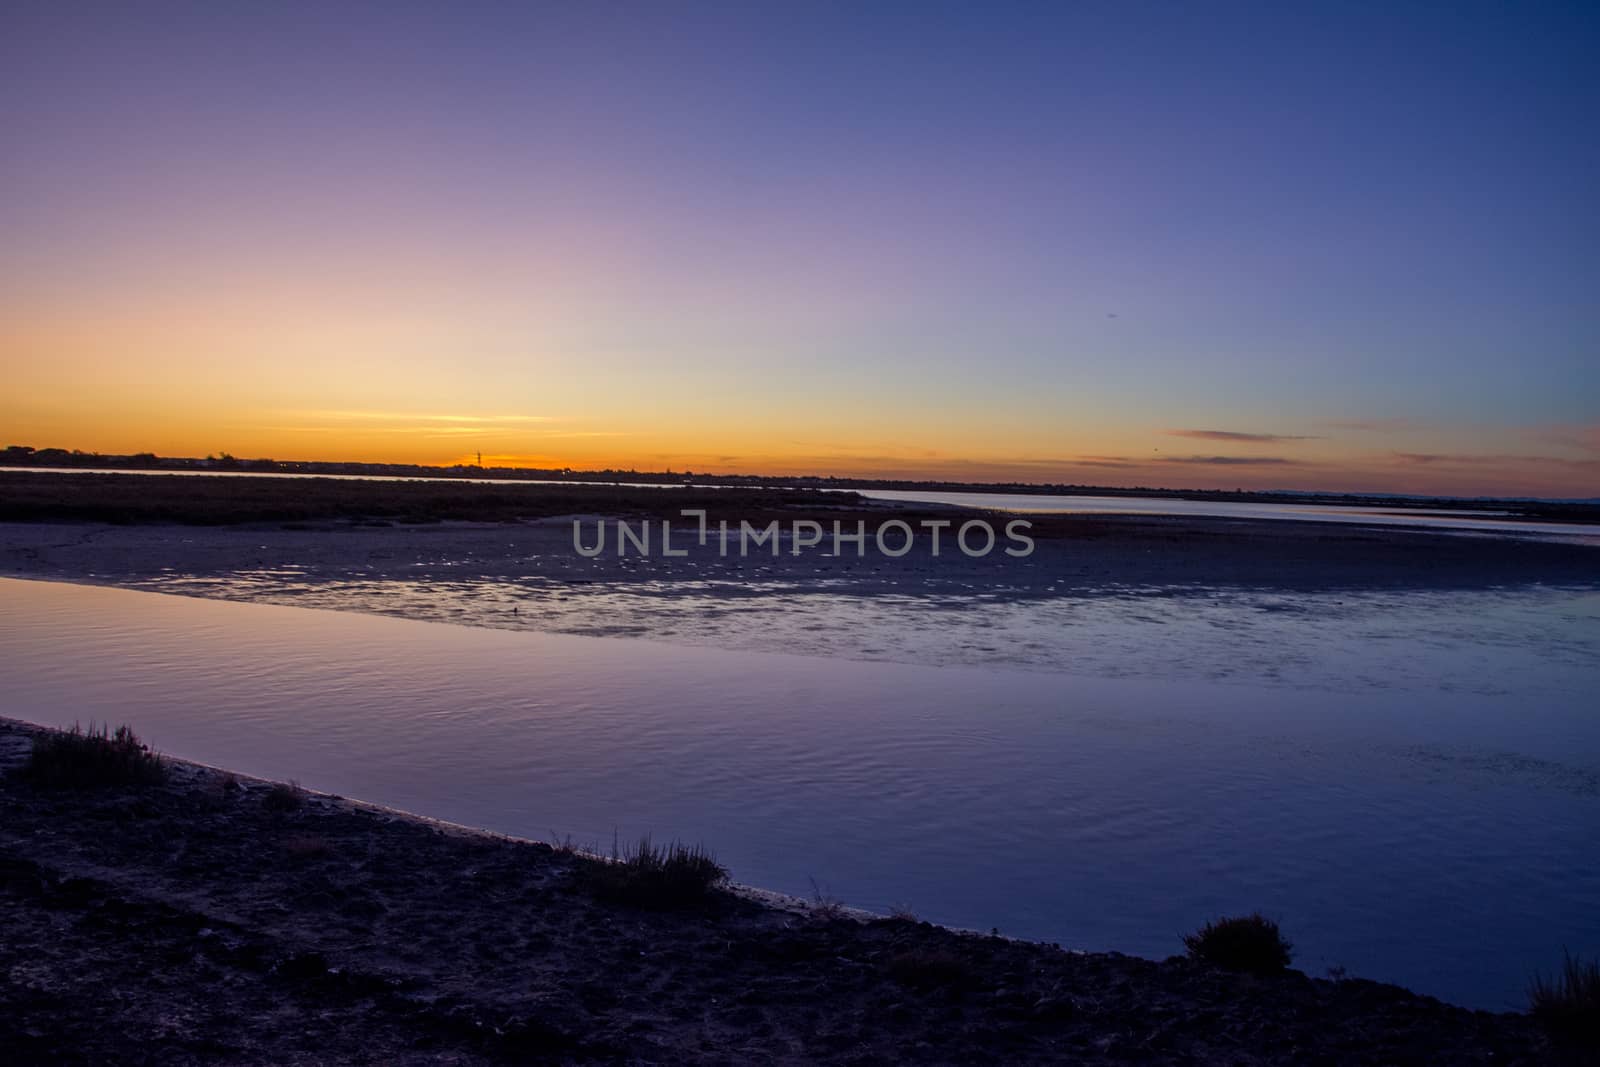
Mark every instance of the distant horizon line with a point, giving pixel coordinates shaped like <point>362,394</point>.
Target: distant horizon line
<point>25,456</point>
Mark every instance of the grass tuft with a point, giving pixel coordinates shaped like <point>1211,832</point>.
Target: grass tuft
<point>284,797</point>
<point>666,877</point>
<point>83,759</point>
<point>564,845</point>
<point>1567,1003</point>
<point>824,905</point>
<point>1249,943</point>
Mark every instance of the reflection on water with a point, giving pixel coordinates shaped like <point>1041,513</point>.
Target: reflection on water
<point>1440,839</point>
<point>1455,519</point>
<point>1524,642</point>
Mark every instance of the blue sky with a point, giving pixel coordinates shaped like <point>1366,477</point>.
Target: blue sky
<point>993,239</point>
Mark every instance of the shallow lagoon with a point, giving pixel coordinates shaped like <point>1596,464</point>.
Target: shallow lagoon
<point>1436,835</point>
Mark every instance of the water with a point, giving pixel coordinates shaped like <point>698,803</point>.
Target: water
<point>1497,642</point>
<point>1436,835</point>
<point>1462,520</point>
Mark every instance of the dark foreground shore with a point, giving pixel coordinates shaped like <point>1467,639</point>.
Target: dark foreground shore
<point>209,919</point>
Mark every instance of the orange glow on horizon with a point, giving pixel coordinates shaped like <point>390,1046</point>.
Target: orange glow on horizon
<point>546,442</point>
<point>344,386</point>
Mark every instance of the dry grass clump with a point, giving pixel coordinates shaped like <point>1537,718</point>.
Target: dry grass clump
<point>83,759</point>
<point>824,905</point>
<point>666,877</point>
<point>284,797</point>
<point>1568,1003</point>
<point>1249,943</point>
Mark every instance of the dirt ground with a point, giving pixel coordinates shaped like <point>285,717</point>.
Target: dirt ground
<point>192,922</point>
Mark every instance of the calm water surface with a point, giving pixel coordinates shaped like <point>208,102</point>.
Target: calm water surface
<point>1432,825</point>
<point>1457,519</point>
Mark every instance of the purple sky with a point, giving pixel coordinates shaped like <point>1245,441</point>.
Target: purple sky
<point>1355,245</point>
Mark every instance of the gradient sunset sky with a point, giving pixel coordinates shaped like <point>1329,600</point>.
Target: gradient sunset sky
<point>1353,246</point>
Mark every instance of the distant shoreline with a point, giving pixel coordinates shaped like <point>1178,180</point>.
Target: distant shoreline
<point>1075,556</point>
<point>223,498</point>
<point>61,459</point>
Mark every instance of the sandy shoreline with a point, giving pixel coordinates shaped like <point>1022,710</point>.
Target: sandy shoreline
<point>189,923</point>
<point>1074,556</point>
<point>505,556</point>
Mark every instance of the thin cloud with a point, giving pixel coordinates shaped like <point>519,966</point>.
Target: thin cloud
<point>1585,437</point>
<point>424,430</point>
<point>588,433</point>
<point>513,459</point>
<point>1161,461</point>
<point>1463,459</point>
<point>412,416</point>
<point>1377,425</point>
<point>1237,461</point>
<point>1234,435</point>
<point>1099,461</point>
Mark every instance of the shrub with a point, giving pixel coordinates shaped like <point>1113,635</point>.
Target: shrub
<point>824,905</point>
<point>564,845</point>
<point>662,877</point>
<point>1247,943</point>
<point>1568,1003</point>
<point>80,759</point>
<point>284,796</point>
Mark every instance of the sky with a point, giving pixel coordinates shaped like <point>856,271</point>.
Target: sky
<point>1345,247</point>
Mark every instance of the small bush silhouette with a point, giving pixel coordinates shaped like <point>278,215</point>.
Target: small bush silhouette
<point>1248,943</point>
<point>662,877</point>
<point>81,759</point>
<point>284,797</point>
<point>1568,1003</point>
<point>824,905</point>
